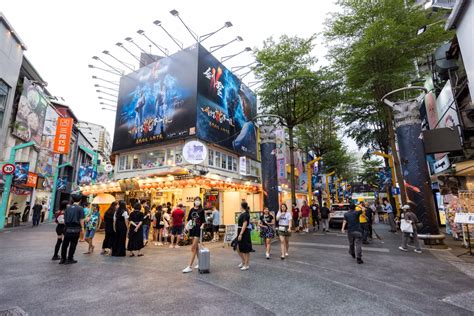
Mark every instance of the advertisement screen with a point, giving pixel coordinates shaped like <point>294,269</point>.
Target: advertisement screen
<point>157,102</point>
<point>21,173</point>
<point>225,108</point>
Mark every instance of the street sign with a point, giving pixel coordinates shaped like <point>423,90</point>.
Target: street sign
<point>8,168</point>
<point>108,168</point>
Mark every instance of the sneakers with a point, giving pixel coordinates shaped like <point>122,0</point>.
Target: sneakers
<point>403,249</point>
<point>56,258</point>
<point>240,265</point>
<point>62,261</point>
<point>155,243</point>
<point>72,261</point>
<point>196,266</point>
<point>267,255</point>
<point>359,261</point>
<point>171,247</point>
<point>187,270</point>
<point>176,246</point>
<point>286,254</point>
<point>417,251</point>
<point>244,268</point>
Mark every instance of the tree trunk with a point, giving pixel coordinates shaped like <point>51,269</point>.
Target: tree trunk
<point>292,166</point>
<point>396,160</point>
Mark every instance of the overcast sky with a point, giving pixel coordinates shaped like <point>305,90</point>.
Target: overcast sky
<point>62,36</point>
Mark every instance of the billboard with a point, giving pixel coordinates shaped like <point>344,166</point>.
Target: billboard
<point>157,102</point>
<point>21,173</point>
<point>30,117</point>
<point>225,108</point>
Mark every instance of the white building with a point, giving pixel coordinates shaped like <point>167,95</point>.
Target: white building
<point>99,137</point>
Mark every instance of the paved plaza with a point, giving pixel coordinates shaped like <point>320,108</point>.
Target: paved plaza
<point>319,277</point>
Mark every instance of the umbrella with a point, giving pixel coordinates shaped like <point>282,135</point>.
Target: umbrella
<point>103,198</point>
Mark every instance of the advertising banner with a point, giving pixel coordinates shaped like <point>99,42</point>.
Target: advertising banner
<point>29,120</point>
<point>225,108</point>
<point>157,102</point>
<point>446,107</point>
<point>85,175</point>
<point>21,173</point>
<point>63,135</point>
<point>32,180</point>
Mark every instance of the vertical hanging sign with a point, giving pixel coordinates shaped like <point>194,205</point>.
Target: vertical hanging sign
<point>63,135</point>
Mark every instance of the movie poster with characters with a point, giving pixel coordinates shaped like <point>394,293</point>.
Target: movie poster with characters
<point>225,108</point>
<point>29,121</point>
<point>157,102</point>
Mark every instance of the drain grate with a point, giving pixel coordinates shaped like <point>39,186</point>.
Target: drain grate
<point>14,311</point>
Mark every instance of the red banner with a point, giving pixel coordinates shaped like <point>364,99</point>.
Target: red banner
<point>32,180</point>
<point>63,135</point>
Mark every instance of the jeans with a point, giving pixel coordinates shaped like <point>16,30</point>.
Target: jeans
<point>365,231</point>
<point>355,241</point>
<point>391,221</point>
<point>70,240</point>
<point>406,236</point>
<point>325,223</point>
<point>36,219</point>
<point>146,232</point>
<point>315,220</point>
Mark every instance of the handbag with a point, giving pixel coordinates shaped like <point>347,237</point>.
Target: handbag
<point>189,225</point>
<point>282,228</point>
<point>406,226</point>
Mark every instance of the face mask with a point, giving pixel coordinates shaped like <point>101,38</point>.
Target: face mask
<point>197,203</point>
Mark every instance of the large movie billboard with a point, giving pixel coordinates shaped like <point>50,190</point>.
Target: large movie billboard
<point>225,108</point>
<point>157,102</point>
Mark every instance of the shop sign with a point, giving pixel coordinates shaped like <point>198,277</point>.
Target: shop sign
<point>108,168</point>
<point>32,180</point>
<point>243,166</point>
<point>230,233</point>
<point>63,135</point>
<point>442,164</point>
<point>184,177</point>
<point>194,152</point>
<point>464,218</point>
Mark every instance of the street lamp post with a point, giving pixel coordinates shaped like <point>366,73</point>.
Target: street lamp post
<point>328,193</point>
<point>55,188</point>
<point>8,183</point>
<point>392,170</point>
<point>309,172</point>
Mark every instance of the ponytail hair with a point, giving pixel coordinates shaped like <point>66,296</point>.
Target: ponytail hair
<point>245,206</point>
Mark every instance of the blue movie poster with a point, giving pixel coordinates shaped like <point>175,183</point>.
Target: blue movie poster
<point>20,176</point>
<point>225,108</point>
<point>157,102</point>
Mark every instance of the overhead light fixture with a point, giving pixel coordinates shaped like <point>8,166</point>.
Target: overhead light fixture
<point>225,58</point>
<point>206,36</point>
<point>162,49</point>
<point>193,34</point>
<point>158,23</point>
<point>174,12</point>
<point>106,52</point>
<point>217,47</point>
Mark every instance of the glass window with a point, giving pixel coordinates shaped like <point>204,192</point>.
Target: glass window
<point>123,163</point>
<point>234,165</point>
<point>3,99</point>
<point>229,162</point>
<point>129,162</point>
<point>170,156</point>
<point>137,161</point>
<point>211,157</point>
<point>217,161</point>
<point>179,155</point>
<point>224,161</point>
<point>154,159</point>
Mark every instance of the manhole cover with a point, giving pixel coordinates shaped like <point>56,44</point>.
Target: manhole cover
<point>14,311</point>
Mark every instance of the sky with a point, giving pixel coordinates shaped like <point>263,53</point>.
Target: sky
<point>62,37</point>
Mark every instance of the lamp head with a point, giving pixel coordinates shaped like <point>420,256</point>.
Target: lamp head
<point>141,32</point>
<point>239,38</point>
<point>95,57</point>
<point>91,66</point>
<point>228,24</point>
<point>128,39</point>
<point>119,44</point>
<point>174,12</point>
<point>94,77</point>
<point>106,52</point>
<point>157,22</point>
<point>248,49</point>
<point>97,91</point>
<point>96,85</point>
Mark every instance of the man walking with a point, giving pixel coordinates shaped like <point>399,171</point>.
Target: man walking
<point>354,233</point>
<point>305,210</point>
<point>315,214</point>
<point>216,221</point>
<point>74,221</point>
<point>391,216</point>
<point>44,210</point>
<point>325,217</point>
<point>177,217</point>
<point>36,213</point>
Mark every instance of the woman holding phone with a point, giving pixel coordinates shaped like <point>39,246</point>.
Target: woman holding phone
<point>267,222</point>
<point>284,219</point>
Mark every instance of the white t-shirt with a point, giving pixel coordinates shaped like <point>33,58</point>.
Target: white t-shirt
<point>284,219</point>
<point>166,219</point>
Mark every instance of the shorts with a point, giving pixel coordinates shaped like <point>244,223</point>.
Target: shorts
<point>304,221</point>
<point>195,232</point>
<point>60,229</point>
<point>90,233</point>
<point>215,228</point>
<point>177,230</point>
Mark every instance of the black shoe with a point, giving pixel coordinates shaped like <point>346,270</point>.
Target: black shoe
<point>353,256</point>
<point>365,242</point>
<point>283,258</point>
<point>72,261</point>
<point>359,261</point>
<point>62,261</point>
<point>56,258</point>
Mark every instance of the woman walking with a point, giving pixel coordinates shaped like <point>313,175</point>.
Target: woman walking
<point>109,229</point>
<point>135,231</point>
<point>60,228</point>
<point>408,215</point>
<point>92,224</point>
<point>267,222</point>
<point>296,218</point>
<point>196,220</point>
<point>120,228</point>
<point>284,219</point>
<point>244,243</point>
<point>146,224</point>
<point>158,226</point>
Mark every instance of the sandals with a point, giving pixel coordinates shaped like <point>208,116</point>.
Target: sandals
<point>132,255</point>
<point>140,255</point>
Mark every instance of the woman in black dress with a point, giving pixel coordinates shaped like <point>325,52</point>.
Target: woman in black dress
<point>135,231</point>
<point>109,229</point>
<point>244,243</point>
<point>60,228</point>
<point>267,232</point>
<point>195,222</point>
<point>120,228</point>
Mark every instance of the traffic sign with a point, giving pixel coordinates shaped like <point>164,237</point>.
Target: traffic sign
<point>8,168</point>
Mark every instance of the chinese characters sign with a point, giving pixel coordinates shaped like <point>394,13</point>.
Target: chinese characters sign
<point>63,135</point>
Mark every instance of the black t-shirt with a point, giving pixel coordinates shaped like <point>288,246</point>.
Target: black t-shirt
<point>198,215</point>
<point>266,219</point>
<point>324,212</point>
<point>73,215</point>
<point>353,222</point>
<point>314,210</point>
<point>243,217</point>
<point>37,208</point>
<point>147,218</point>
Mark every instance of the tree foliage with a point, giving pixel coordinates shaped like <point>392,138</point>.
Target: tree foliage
<point>369,170</point>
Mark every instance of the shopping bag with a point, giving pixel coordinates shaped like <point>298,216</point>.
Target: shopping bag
<point>406,226</point>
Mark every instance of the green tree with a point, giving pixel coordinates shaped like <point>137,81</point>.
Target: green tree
<point>290,88</point>
<point>369,170</point>
<point>374,44</point>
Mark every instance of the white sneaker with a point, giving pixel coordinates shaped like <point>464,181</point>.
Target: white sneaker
<point>240,265</point>
<point>160,244</point>
<point>286,254</point>
<point>244,268</point>
<point>267,255</point>
<point>171,247</point>
<point>417,251</point>
<point>187,270</point>
<point>155,243</point>
<point>196,266</point>
<point>403,249</point>
<point>176,246</point>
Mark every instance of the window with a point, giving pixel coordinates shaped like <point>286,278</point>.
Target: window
<point>3,99</point>
<point>137,161</point>
<point>229,162</point>
<point>122,163</point>
<point>217,161</point>
<point>234,165</point>
<point>179,155</point>
<point>211,157</point>
<point>224,161</point>
<point>170,156</point>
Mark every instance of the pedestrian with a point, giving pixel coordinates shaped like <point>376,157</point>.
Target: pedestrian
<point>364,222</point>
<point>92,224</point>
<point>325,217</point>
<point>195,223</point>
<point>315,214</point>
<point>284,219</point>
<point>244,242</point>
<point>44,210</point>
<point>74,222</point>
<point>109,229</point>
<point>408,215</point>
<point>60,228</point>
<point>26,213</point>
<point>36,214</point>
<point>354,232</point>
<point>86,206</point>
<point>216,221</point>
<point>158,225</point>
<point>177,217</point>
<point>296,217</point>
<point>391,216</point>
<point>371,216</point>
<point>305,210</point>
<point>167,223</point>
<point>16,213</point>
<point>146,223</point>
<point>135,231</point>
<point>120,227</point>
<point>267,231</point>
